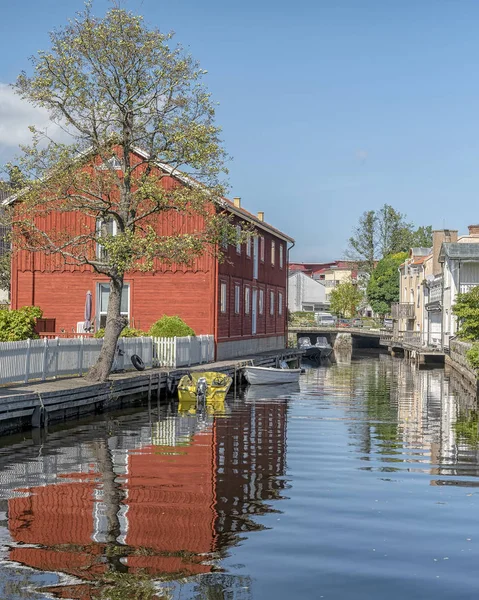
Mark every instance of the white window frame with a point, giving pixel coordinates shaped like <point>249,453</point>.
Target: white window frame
<point>248,247</point>
<point>280,303</point>
<point>101,314</point>
<point>261,301</point>
<point>238,237</point>
<point>273,253</point>
<point>247,300</point>
<point>271,303</point>
<point>255,257</point>
<point>261,240</point>
<point>101,253</point>
<point>223,296</point>
<point>281,255</point>
<point>237,298</point>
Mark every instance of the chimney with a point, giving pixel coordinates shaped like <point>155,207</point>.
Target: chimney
<point>261,215</point>
<point>438,237</point>
<point>237,202</point>
<point>473,229</point>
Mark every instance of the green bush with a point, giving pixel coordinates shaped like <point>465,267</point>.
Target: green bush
<point>16,325</point>
<point>128,332</point>
<point>466,310</point>
<point>170,327</point>
<point>472,356</point>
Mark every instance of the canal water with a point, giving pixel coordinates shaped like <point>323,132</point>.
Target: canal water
<point>362,482</point>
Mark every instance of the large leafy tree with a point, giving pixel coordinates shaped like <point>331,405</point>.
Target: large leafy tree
<point>384,232</point>
<point>115,86</point>
<point>383,285</point>
<point>345,299</point>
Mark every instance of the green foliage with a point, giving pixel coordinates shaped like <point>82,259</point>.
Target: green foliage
<point>16,325</point>
<point>472,356</point>
<point>466,427</point>
<point>170,327</point>
<point>301,318</point>
<point>128,332</point>
<point>345,299</point>
<point>383,285</point>
<point>384,232</point>
<point>466,310</point>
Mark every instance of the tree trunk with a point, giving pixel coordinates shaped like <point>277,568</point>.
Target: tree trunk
<point>115,323</point>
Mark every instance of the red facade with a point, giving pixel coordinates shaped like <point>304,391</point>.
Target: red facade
<point>197,293</point>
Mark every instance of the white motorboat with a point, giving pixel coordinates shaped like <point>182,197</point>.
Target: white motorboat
<point>324,346</point>
<point>265,375</point>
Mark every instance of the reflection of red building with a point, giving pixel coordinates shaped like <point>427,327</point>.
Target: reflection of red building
<point>178,504</point>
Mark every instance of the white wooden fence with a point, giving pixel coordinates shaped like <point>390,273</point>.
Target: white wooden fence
<point>49,358</point>
<point>183,351</point>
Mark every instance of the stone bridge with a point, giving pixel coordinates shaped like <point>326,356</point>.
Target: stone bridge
<point>362,338</point>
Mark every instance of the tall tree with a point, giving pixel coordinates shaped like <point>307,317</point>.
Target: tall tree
<point>383,285</point>
<point>362,244</point>
<point>115,86</point>
<point>384,232</point>
<point>345,299</point>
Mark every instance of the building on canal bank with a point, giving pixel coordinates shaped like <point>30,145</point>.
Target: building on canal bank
<point>241,300</point>
<point>429,281</point>
<point>306,294</point>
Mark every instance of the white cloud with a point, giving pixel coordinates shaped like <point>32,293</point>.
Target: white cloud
<point>15,117</point>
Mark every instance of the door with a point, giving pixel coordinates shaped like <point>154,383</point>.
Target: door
<point>254,311</point>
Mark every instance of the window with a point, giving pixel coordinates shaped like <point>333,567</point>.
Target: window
<point>261,302</point>
<point>255,257</point>
<point>281,256</point>
<point>103,295</point>
<point>104,228</point>
<point>237,298</point>
<point>238,238</point>
<point>224,241</point>
<point>262,248</point>
<point>418,296</point>
<point>271,303</point>
<point>248,247</point>
<point>280,303</point>
<point>273,252</point>
<point>246,300</point>
<point>223,297</point>
<point>111,163</point>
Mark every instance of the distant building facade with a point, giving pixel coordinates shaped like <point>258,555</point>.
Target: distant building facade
<point>306,294</point>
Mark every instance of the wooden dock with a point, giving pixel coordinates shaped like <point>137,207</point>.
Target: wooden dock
<point>23,406</point>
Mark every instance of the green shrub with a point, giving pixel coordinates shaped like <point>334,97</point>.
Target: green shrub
<point>128,332</point>
<point>466,310</point>
<point>170,327</point>
<point>472,356</point>
<point>16,325</point>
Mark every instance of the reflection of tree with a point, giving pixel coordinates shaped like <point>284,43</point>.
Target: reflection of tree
<point>466,428</point>
<point>380,410</point>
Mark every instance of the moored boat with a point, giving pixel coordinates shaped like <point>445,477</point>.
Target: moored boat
<point>310,351</point>
<point>324,346</point>
<point>265,375</point>
<point>203,385</point>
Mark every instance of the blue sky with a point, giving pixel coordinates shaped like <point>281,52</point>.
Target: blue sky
<point>329,108</point>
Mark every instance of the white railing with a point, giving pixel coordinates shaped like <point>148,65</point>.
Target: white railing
<point>467,287</point>
<point>183,351</point>
<point>46,358</point>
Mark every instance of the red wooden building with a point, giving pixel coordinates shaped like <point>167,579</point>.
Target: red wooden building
<point>241,301</point>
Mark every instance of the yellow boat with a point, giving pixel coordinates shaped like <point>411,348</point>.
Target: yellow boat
<point>209,386</point>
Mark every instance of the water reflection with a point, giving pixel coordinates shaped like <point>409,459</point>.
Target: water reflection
<point>166,498</point>
<point>175,495</point>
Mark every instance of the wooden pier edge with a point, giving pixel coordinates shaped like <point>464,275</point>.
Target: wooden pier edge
<point>34,405</point>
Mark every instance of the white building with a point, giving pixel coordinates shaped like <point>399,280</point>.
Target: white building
<point>306,294</point>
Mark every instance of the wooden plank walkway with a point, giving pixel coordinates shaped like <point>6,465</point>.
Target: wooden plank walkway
<point>30,405</point>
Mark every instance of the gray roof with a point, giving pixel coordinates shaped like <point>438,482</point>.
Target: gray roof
<point>421,251</point>
<point>466,252</point>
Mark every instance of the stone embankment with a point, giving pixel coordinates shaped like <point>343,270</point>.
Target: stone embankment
<point>458,361</point>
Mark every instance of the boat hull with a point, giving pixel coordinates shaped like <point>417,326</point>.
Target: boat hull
<point>268,375</point>
<point>217,388</point>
